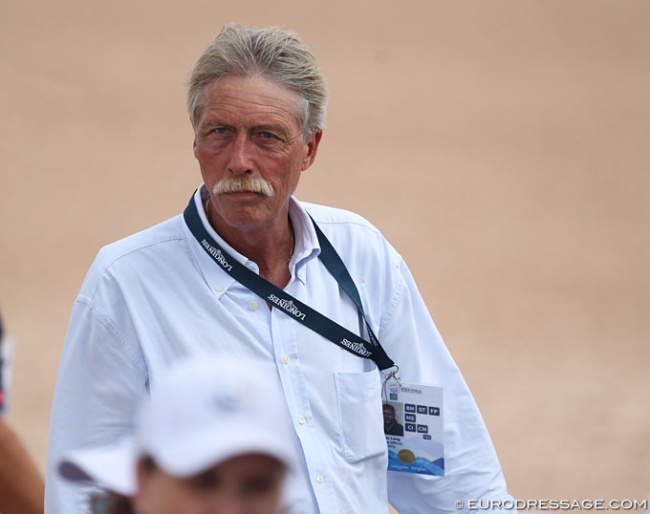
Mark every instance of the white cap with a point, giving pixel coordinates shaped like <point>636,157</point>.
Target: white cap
<point>108,467</point>
<point>202,412</point>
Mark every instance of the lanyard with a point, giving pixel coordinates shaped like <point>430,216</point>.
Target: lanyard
<point>288,304</point>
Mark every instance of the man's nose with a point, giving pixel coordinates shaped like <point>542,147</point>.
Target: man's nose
<point>241,152</point>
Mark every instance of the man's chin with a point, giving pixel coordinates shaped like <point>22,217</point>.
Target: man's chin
<point>243,216</point>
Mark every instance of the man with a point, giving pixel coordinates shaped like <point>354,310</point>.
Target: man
<point>391,426</point>
<point>211,440</point>
<point>257,100</point>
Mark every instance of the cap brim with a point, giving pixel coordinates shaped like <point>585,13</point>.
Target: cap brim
<point>111,468</point>
<point>210,449</point>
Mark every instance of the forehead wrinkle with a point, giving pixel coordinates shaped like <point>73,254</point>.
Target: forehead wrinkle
<point>226,102</point>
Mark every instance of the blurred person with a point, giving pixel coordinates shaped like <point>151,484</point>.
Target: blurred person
<point>21,484</point>
<point>210,440</point>
<point>247,269</point>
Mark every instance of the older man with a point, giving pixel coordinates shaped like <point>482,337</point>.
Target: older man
<point>315,292</point>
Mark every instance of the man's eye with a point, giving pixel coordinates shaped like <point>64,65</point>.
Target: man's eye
<point>220,130</point>
<point>261,485</point>
<point>267,135</point>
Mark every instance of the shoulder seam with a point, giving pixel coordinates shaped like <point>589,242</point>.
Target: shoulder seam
<point>98,313</point>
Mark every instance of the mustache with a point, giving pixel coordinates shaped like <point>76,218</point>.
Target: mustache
<point>243,185</point>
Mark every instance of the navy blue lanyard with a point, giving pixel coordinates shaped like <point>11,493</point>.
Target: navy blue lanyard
<point>288,304</point>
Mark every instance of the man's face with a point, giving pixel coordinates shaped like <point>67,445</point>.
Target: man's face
<point>249,484</point>
<point>389,416</point>
<point>248,128</point>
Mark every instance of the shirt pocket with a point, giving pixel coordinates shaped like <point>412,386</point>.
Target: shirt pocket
<point>358,400</point>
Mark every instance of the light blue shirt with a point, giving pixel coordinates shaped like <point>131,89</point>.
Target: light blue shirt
<point>156,295</point>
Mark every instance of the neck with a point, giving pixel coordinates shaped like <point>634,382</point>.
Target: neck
<point>271,248</point>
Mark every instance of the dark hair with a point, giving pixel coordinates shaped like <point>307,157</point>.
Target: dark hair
<point>388,406</point>
<point>147,463</point>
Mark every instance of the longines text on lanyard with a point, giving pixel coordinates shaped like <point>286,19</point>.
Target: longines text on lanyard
<point>288,304</point>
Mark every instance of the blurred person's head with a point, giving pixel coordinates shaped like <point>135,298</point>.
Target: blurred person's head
<point>214,438</point>
<point>271,53</point>
<point>246,484</point>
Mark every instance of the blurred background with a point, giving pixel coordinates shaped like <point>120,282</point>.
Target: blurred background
<point>502,147</point>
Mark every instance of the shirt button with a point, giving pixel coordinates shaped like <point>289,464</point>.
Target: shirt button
<point>301,274</point>
<point>218,288</point>
<point>320,479</point>
<point>302,420</point>
<point>253,306</point>
<point>286,359</point>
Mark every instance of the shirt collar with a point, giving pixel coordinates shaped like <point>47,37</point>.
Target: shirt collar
<point>306,246</point>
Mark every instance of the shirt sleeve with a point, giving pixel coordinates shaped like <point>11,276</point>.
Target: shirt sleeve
<point>99,383</point>
<point>472,469</point>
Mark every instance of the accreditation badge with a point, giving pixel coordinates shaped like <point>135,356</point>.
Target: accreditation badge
<point>413,425</point>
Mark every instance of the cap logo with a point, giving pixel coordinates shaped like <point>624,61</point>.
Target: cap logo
<point>227,403</point>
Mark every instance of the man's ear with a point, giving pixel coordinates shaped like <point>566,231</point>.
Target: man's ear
<point>313,140</point>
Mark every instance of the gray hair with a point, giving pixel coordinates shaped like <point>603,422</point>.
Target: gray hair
<point>270,52</point>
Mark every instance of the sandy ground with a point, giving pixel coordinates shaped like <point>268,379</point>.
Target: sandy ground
<point>502,146</point>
